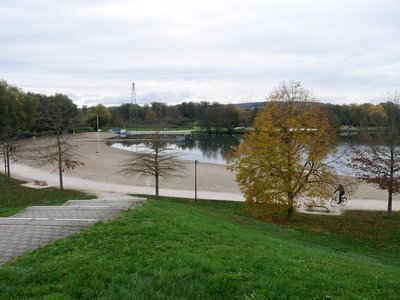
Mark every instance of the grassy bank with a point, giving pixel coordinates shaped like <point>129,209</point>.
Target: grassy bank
<point>170,249</point>
<point>14,197</point>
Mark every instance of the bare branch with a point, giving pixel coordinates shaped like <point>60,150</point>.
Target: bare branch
<point>158,161</point>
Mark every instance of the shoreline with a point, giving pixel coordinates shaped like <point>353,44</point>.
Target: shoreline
<point>101,172</point>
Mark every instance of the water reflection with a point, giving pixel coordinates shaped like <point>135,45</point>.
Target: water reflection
<point>206,148</point>
<point>212,148</point>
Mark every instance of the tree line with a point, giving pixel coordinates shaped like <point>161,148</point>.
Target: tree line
<point>26,113</point>
<point>216,115</point>
<point>23,113</point>
<point>187,114</point>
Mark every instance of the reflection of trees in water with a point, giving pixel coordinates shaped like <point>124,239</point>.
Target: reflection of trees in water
<point>214,145</point>
<point>131,142</point>
<point>211,145</point>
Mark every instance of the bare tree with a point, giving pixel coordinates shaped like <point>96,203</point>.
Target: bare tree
<point>8,139</point>
<point>59,153</point>
<point>7,150</point>
<point>158,161</point>
<point>58,116</point>
<point>378,162</point>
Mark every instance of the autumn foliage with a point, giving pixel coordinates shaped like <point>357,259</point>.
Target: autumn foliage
<point>281,163</point>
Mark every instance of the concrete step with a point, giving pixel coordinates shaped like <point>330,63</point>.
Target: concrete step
<point>109,203</point>
<point>71,214</point>
<point>130,199</point>
<point>46,222</point>
<point>98,209</point>
<point>14,221</point>
<point>140,201</point>
<point>108,196</point>
<point>73,208</point>
<point>38,225</point>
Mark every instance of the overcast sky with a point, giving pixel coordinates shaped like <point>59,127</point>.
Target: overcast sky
<point>227,51</point>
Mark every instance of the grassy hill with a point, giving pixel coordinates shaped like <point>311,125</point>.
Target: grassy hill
<point>171,249</point>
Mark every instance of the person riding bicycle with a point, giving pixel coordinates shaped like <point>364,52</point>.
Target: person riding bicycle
<point>340,189</point>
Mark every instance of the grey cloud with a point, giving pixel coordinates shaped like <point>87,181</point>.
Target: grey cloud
<point>200,49</point>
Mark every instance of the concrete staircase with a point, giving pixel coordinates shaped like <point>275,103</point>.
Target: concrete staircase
<point>36,226</point>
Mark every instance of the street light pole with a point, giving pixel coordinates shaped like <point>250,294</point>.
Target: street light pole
<point>195,180</point>
<point>8,161</point>
<point>5,159</point>
<point>98,134</point>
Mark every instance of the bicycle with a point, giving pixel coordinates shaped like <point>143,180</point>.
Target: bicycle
<point>335,201</point>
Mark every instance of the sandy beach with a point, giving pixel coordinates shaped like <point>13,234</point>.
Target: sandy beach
<point>103,169</point>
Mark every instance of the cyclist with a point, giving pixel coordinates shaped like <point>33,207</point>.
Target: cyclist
<point>340,189</point>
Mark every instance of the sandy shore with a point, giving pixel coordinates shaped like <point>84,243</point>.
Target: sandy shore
<point>105,168</point>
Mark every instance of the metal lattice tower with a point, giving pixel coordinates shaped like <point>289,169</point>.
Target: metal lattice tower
<point>133,102</point>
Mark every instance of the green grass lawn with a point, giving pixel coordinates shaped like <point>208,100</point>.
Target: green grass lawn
<point>14,197</point>
<point>172,249</point>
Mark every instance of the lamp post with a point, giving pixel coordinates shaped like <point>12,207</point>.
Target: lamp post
<point>98,134</point>
<point>5,148</point>
<point>8,161</point>
<point>195,180</point>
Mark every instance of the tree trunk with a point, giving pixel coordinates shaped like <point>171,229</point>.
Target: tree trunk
<point>290,206</point>
<point>60,164</point>
<point>157,192</point>
<point>389,211</point>
<point>290,213</point>
<point>390,190</point>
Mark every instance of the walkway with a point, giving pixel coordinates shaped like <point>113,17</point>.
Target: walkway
<point>36,226</point>
<point>90,186</point>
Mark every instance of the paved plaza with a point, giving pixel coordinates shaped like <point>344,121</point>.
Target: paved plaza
<point>36,226</point>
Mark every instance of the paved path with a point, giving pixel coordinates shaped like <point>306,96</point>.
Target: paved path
<point>28,173</point>
<point>90,186</point>
<point>36,226</point>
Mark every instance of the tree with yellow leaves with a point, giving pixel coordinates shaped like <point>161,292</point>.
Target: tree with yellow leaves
<point>281,162</point>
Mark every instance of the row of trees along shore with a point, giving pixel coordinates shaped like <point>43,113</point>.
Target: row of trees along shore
<point>23,113</point>
<point>280,163</point>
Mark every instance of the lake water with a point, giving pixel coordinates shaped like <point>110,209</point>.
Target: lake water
<point>211,149</point>
<point>202,147</point>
